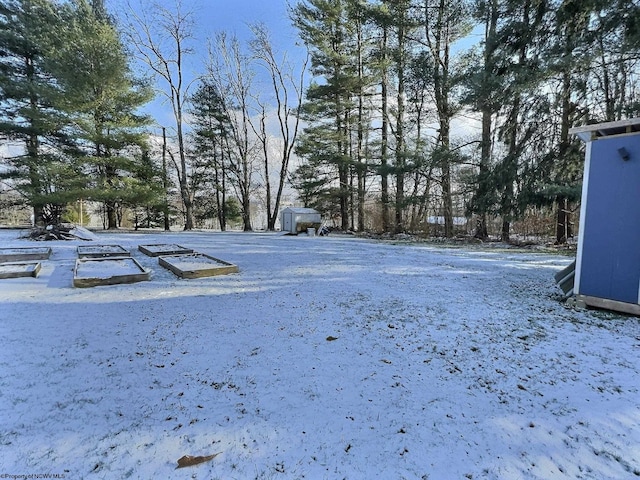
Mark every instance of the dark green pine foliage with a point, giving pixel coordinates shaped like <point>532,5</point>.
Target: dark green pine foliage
<point>446,21</point>
<point>29,121</point>
<point>148,209</point>
<point>556,178</point>
<point>211,127</point>
<point>313,186</point>
<point>101,99</point>
<point>616,51</point>
<point>505,82</point>
<point>326,29</point>
<point>402,27</point>
<point>484,92</point>
<point>521,37</point>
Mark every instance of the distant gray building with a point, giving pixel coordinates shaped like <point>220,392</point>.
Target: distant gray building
<point>297,219</point>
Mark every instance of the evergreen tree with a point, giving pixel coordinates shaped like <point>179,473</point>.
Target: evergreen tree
<point>561,170</point>
<point>381,66</point>
<point>326,29</point>
<point>484,94</point>
<point>149,206</point>
<point>28,117</point>
<point>211,127</point>
<point>101,99</point>
<point>615,58</point>
<point>446,21</point>
<point>402,28</point>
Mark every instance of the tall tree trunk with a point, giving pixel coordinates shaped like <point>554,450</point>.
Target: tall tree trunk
<point>563,230</point>
<point>510,172</point>
<point>185,191</point>
<point>33,148</point>
<point>264,139</point>
<point>400,140</point>
<point>220,206</point>
<point>447,198</point>
<point>483,174</point>
<point>360,164</point>
<point>486,108</point>
<point>384,135</point>
<point>112,214</point>
<point>246,197</point>
<point>165,182</point>
<point>510,167</point>
<point>441,85</point>
<point>343,168</point>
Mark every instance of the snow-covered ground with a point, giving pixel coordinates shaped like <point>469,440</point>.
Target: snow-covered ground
<point>324,358</point>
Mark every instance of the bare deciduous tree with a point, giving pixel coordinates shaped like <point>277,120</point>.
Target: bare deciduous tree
<point>230,72</point>
<point>161,37</point>
<point>287,91</point>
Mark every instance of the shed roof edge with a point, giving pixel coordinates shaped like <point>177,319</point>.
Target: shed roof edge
<point>606,129</point>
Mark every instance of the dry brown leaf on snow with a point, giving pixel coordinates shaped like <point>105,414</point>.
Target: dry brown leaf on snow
<point>189,461</point>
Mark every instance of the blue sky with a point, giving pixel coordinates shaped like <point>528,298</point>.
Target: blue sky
<point>233,15</point>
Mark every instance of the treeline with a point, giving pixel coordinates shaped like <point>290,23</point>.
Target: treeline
<point>70,119</point>
<point>415,109</point>
<point>69,101</point>
<point>454,107</point>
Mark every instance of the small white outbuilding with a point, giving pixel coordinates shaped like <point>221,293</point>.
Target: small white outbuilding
<point>296,219</point>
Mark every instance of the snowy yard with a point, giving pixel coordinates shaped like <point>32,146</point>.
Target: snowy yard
<point>323,358</point>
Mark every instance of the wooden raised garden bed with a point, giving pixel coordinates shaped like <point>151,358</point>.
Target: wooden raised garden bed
<point>102,251</point>
<point>24,254</point>
<point>16,270</point>
<point>163,249</point>
<point>108,271</point>
<point>197,265</point>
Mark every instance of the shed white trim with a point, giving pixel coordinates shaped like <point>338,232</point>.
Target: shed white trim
<point>588,133</point>
<point>583,216</point>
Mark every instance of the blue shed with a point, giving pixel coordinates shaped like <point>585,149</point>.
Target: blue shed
<point>607,270</point>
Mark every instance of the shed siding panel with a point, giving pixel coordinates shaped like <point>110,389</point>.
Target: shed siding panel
<point>611,244</point>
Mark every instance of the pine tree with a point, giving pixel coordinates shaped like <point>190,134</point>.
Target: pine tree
<point>149,206</point>
<point>211,127</point>
<point>445,23</point>
<point>381,68</point>
<point>28,116</point>
<point>402,28</point>
<point>102,98</point>
<point>484,90</point>
<point>326,29</point>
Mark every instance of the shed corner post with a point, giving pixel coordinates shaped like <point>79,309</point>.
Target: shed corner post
<point>583,216</point>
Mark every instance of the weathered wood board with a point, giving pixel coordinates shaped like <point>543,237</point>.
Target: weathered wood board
<point>164,249</point>
<point>92,272</point>
<point>24,254</point>
<point>16,270</point>
<point>606,304</point>
<point>102,251</point>
<point>196,265</point>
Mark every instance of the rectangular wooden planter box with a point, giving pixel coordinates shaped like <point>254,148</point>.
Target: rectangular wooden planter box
<point>102,251</point>
<point>24,254</point>
<point>16,270</point>
<point>197,265</point>
<point>163,249</point>
<point>108,271</point>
